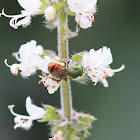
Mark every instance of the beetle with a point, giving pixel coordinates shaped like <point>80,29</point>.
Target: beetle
<point>59,72</point>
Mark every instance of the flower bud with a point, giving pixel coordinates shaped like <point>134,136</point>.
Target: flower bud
<point>50,13</point>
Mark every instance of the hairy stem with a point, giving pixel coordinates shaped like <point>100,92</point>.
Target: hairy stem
<point>63,52</point>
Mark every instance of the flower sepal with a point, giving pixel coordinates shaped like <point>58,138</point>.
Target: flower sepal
<point>45,3</point>
<point>77,58</point>
<point>71,13</point>
<point>60,123</point>
<point>80,124</point>
<point>76,125</point>
<point>58,8</point>
<point>51,114</point>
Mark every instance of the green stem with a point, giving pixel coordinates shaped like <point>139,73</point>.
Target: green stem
<point>63,52</point>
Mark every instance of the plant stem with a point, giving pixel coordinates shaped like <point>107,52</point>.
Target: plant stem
<point>63,52</point>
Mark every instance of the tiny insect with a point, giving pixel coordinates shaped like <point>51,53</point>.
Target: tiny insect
<point>59,72</point>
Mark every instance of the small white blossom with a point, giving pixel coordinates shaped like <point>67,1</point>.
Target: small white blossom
<point>28,56</point>
<point>43,64</point>
<point>85,10</point>
<point>31,7</point>
<point>35,113</point>
<point>13,68</point>
<point>50,13</point>
<point>49,83</point>
<point>57,136</point>
<point>96,64</point>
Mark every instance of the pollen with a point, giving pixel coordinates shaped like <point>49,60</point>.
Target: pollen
<point>15,74</point>
<point>18,68</point>
<point>15,27</point>
<point>94,76</point>
<point>24,121</point>
<point>79,21</point>
<point>80,14</point>
<point>53,86</point>
<point>123,66</point>
<point>89,69</point>
<point>113,73</point>
<point>39,82</point>
<point>105,76</point>
<point>16,122</point>
<point>10,106</point>
<point>47,85</point>
<point>105,72</point>
<point>92,20</point>
<point>57,82</point>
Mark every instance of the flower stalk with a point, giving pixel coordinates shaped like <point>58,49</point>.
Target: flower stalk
<point>63,53</point>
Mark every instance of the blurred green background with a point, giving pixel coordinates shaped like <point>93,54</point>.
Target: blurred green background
<point>117,25</point>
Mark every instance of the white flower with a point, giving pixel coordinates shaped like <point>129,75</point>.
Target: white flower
<point>97,64</point>
<point>49,83</point>
<point>84,10</point>
<point>34,112</point>
<point>13,68</point>
<point>28,56</point>
<point>50,13</point>
<point>84,20</point>
<point>31,7</point>
<point>57,136</point>
<point>30,48</point>
<point>43,64</point>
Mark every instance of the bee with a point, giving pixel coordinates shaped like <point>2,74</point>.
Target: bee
<point>59,72</point>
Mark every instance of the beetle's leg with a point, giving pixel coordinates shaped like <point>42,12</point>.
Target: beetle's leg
<point>53,78</point>
<point>48,77</point>
<point>65,78</point>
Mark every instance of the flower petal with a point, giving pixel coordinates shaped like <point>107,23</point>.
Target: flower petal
<point>31,6</point>
<point>22,123</point>
<point>34,111</point>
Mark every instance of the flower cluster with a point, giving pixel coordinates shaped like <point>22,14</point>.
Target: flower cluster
<point>31,8</point>
<point>84,11</point>
<point>96,64</point>
<point>79,124</point>
<point>32,57</point>
<point>35,113</point>
<point>29,56</point>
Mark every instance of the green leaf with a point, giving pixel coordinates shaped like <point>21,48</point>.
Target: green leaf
<point>78,126</point>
